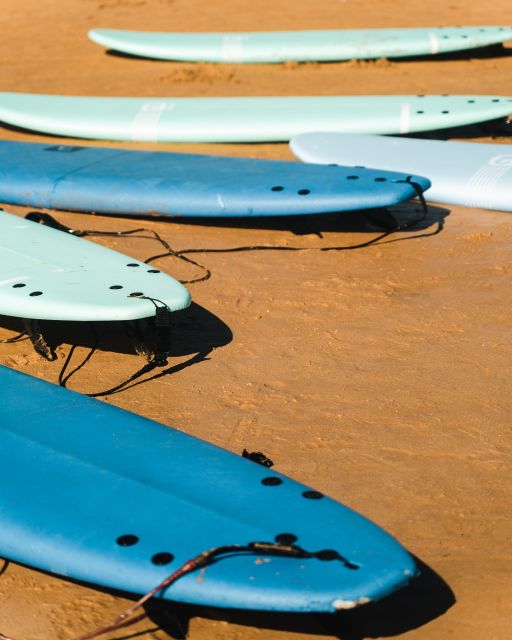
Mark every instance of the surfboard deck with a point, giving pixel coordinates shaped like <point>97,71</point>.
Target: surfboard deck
<point>463,173</point>
<point>102,495</point>
<point>302,46</point>
<point>242,119</point>
<point>147,183</point>
<point>46,274</point>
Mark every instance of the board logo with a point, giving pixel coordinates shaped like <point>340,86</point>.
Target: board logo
<point>503,160</point>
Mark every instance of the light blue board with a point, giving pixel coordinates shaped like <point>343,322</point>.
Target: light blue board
<point>47,274</point>
<point>79,474</point>
<point>142,182</point>
<point>320,45</point>
<point>463,173</point>
<point>242,119</point>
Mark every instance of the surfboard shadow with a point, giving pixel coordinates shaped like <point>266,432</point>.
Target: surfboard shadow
<point>499,128</point>
<point>478,53</point>
<point>364,221</point>
<point>4,565</point>
<point>195,333</point>
<point>31,132</point>
<point>403,222</point>
<point>482,53</point>
<point>427,597</point>
<point>193,330</point>
<point>113,53</point>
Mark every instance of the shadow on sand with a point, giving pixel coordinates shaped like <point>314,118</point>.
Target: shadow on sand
<point>426,598</point>
<point>362,221</point>
<point>195,332</point>
<point>479,53</point>
<point>499,128</point>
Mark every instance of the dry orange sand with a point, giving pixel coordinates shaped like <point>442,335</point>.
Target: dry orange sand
<point>379,376</point>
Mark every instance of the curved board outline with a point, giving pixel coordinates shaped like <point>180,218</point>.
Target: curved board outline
<point>470,174</point>
<point>303,46</point>
<point>99,494</point>
<point>242,119</point>
<point>46,274</point>
<point>157,182</point>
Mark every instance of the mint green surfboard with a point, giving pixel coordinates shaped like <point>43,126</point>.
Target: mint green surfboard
<point>303,46</point>
<point>242,119</point>
<point>46,274</point>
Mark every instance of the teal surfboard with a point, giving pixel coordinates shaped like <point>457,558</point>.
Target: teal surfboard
<point>464,173</point>
<point>278,46</point>
<point>98,494</point>
<point>46,274</point>
<point>242,119</point>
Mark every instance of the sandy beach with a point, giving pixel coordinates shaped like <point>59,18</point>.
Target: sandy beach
<point>380,375</point>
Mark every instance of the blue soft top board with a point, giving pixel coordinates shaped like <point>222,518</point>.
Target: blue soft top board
<point>104,180</point>
<point>99,494</point>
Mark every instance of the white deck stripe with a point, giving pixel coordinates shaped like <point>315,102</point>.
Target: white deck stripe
<point>434,42</point>
<point>232,47</point>
<point>145,123</point>
<point>405,117</point>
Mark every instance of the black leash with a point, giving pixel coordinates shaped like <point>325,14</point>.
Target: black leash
<point>162,313</point>
<point>50,221</point>
<point>129,616</point>
<point>183,254</point>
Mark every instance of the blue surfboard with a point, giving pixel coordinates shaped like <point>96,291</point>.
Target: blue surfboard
<point>177,184</point>
<point>102,495</point>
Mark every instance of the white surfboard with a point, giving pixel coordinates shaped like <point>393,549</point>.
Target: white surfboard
<point>464,173</point>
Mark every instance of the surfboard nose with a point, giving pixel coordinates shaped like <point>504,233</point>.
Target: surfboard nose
<point>105,496</point>
<point>47,274</point>
<point>324,584</point>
